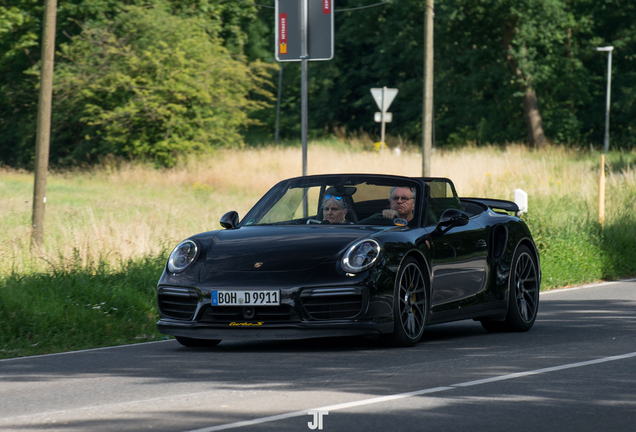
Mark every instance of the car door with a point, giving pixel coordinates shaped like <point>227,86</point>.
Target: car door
<point>459,263</point>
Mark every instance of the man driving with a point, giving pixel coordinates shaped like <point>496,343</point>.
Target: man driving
<point>402,203</point>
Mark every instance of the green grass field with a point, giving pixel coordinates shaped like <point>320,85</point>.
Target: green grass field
<point>108,229</point>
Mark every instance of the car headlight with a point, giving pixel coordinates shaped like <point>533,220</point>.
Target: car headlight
<point>361,256</point>
<point>182,256</point>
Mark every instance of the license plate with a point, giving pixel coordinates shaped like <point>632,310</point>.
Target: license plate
<point>245,298</point>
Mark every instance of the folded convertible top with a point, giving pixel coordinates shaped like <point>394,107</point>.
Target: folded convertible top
<point>495,204</point>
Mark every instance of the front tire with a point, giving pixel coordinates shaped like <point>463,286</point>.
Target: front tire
<point>197,343</point>
<point>410,305</point>
<point>523,302</point>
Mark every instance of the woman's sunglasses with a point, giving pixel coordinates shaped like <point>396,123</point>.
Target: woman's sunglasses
<point>339,198</point>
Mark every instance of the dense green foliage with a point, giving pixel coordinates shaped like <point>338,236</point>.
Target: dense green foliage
<point>160,94</point>
<point>130,79</point>
<point>477,94</point>
<point>150,85</point>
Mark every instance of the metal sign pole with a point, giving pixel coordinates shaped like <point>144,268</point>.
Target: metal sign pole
<point>606,141</point>
<point>303,81</point>
<point>383,110</point>
<point>383,98</point>
<point>280,89</point>
<point>304,31</point>
<point>303,93</point>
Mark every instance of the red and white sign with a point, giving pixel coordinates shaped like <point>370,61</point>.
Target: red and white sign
<point>326,7</point>
<point>282,31</point>
<point>303,30</point>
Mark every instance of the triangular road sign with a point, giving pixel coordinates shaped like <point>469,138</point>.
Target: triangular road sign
<point>388,94</point>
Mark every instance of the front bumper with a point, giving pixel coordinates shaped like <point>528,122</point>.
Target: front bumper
<point>350,307</point>
<point>255,330</point>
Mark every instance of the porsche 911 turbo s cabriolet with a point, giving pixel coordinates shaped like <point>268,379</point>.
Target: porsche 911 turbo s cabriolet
<point>352,255</point>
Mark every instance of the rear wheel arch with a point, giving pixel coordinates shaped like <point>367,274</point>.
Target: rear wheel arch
<point>523,292</point>
<point>530,244</point>
<point>533,250</point>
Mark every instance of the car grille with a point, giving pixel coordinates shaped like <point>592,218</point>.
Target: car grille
<point>177,302</point>
<point>267,314</point>
<point>333,303</point>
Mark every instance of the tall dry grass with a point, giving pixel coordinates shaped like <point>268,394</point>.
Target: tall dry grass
<point>120,210</point>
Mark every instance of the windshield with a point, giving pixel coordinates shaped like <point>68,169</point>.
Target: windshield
<point>352,200</point>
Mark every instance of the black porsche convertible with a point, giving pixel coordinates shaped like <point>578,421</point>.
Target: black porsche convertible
<point>400,253</point>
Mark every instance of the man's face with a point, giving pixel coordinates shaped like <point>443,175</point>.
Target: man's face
<point>402,201</point>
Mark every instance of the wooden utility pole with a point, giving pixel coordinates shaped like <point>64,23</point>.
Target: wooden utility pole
<point>427,116</point>
<point>43,136</point>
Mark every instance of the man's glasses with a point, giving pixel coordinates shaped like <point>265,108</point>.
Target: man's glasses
<point>400,198</point>
<point>339,198</point>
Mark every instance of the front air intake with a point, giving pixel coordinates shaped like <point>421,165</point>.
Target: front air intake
<point>333,303</point>
<point>177,302</point>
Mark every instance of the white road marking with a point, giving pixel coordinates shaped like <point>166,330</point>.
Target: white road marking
<point>413,393</point>
<point>84,350</point>
<point>595,285</point>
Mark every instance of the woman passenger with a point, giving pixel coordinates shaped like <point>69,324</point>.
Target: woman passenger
<point>334,209</point>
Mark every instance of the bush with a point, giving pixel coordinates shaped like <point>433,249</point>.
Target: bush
<point>150,85</point>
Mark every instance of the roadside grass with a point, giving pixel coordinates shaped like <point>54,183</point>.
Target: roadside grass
<point>109,229</point>
<point>80,306</point>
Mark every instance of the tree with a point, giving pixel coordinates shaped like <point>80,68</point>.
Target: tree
<point>534,122</point>
<point>19,49</point>
<point>150,85</point>
<point>527,36</point>
<point>226,22</point>
<point>602,23</point>
<point>494,61</point>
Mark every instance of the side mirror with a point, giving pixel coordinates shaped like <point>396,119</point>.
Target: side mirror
<point>451,218</point>
<point>230,220</point>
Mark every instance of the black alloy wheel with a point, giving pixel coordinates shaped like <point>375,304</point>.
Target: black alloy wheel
<point>524,294</point>
<point>197,343</point>
<point>410,305</point>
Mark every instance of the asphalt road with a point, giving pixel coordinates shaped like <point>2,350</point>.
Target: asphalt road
<point>574,371</point>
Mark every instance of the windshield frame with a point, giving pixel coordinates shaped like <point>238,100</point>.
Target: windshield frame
<point>276,193</point>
